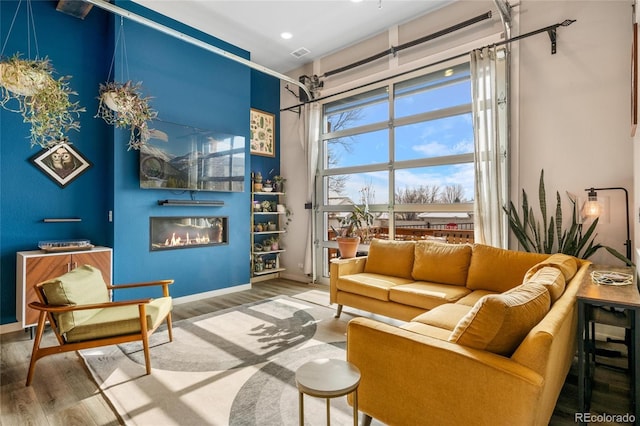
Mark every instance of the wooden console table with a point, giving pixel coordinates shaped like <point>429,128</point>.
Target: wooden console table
<point>35,266</point>
<point>625,297</point>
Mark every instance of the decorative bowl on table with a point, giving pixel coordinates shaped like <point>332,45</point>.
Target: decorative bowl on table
<point>65,245</point>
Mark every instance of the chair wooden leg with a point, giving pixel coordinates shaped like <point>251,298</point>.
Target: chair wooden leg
<point>36,346</point>
<point>169,327</point>
<point>145,337</point>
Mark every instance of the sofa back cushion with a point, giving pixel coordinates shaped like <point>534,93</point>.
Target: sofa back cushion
<point>441,262</point>
<point>82,286</point>
<point>499,322</point>
<point>394,258</point>
<point>497,269</point>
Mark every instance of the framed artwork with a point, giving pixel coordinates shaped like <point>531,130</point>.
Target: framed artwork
<point>634,80</point>
<point>263,133</point>
<point>61,163</point>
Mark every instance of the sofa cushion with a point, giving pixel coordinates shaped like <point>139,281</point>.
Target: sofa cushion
<point>499,322</point>
<point>441,263</point>
<point>551,278</point>
<point>426,295</point>
<point>497,269</point>
<point>427,330</point>
<point>388,257</point>
<point>371,285</point>
<point>83,285</point>
<point>473,297</point>
<point>120,320</point>
<point>568,265</point>
<point>445,316</point>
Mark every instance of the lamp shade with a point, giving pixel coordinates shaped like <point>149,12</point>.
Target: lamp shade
<point>591,208</point>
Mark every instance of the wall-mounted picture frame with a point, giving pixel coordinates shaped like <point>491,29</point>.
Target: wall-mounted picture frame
<point>263,133</point>
<point>61,163</point>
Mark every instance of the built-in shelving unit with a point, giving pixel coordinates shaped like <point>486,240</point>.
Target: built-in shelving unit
<point>267,225</point>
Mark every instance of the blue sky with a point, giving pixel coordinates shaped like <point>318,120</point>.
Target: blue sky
<point>451,135</point>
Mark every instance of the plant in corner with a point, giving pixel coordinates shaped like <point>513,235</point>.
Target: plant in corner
<point>42,100</point>
<point>353,228</point>
<point>538,237</point>
<point>122,105</point>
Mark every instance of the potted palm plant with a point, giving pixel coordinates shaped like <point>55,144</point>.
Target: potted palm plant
<point>123,105</point>
<point>353,228</point>
<point>42,99</point>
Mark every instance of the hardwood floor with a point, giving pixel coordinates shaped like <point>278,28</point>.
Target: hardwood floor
<point>63,392</point>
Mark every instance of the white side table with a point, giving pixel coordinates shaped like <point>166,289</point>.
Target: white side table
<point>328,378</point>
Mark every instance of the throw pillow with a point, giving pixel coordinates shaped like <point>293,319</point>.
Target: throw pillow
<point>81,286</point>
<point>441,263</point>
<point>567,264</point>
<point>499,322</point>
<point>393,258</point>
<point>549,277</point>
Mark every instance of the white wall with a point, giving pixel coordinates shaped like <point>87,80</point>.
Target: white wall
<point>574,119</point>
<point>571,110</point>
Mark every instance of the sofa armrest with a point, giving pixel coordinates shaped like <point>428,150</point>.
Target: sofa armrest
<point>410,378</point>
<point>341,267</point>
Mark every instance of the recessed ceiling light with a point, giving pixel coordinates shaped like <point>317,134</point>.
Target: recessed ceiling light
<point>285,35</point>
<point>448,73</point>
<point>356,1</point>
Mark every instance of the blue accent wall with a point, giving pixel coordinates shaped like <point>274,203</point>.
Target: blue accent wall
<point>188,85</point>
<point>262,97</point>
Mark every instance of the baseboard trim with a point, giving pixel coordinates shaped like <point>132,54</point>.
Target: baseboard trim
<point>10,328</point>
<point>213,293</point>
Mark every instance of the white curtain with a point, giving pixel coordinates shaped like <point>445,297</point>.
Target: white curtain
<point>490,113</point>
<point>309,138</point>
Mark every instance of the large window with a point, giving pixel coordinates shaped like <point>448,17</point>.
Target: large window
<point>406,150</point>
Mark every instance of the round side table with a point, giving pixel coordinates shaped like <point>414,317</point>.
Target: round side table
<point>328,378</point>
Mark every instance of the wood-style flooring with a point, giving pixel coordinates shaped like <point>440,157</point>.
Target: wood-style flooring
<point>64,394</point>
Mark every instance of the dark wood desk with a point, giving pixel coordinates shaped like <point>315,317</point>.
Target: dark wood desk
<point>625,297</point>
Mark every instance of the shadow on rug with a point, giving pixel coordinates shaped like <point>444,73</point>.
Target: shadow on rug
<point>233,367</point>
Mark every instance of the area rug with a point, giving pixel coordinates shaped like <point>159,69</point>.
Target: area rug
<point>233,367</point>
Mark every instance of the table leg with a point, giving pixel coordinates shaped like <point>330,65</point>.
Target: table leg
<point>355,407</point>
<point>328,414</point>
<point>582,335</point>
<point>301,407</point>
<point>635,364</point>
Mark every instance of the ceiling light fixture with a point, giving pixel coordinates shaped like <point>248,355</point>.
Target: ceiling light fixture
<point>286,35</point>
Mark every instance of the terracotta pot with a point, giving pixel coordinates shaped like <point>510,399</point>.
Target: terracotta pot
<point>348,246</point>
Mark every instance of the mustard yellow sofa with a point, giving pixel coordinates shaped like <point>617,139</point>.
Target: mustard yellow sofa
<point>489,338</point>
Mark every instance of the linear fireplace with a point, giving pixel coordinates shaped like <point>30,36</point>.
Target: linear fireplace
<point>176,232</point>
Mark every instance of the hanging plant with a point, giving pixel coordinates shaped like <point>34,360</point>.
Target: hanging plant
<point>42,100</point>
<point>122,105</point>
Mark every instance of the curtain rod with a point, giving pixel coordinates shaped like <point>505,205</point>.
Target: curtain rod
<point>192,40</point>
<point>393,50</point>
<point>551,30</point>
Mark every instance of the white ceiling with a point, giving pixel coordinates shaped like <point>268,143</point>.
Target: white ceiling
<point>321,27</point>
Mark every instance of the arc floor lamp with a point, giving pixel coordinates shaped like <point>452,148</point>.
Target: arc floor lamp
<point>592,209</point>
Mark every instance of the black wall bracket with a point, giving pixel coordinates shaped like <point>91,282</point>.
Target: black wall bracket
<point>552,36</point>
